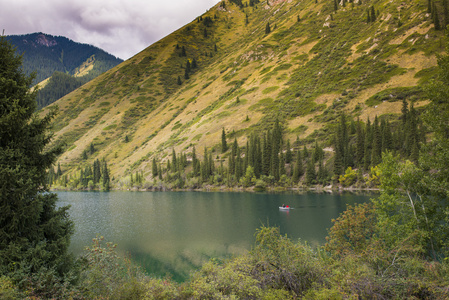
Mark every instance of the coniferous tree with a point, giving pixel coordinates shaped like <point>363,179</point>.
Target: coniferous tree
<point>368,144</point>
<point>224,145</point>
<point>373,14</point>
<point>360,144</point>
<point>179,80</point>
<point>238,165</point>
<point>310,172</point>
<point>267,28</point>
<point>298,170</point>
<point>174,161</point>
<point>288,153</point>
<point>282,170</point>
<point>376,151</point>
<point>105,176</point>
<point>436,18</point>
<point>305,152</point>
<point>35,233</point>
<point>154,168</point>
<point>266,154</point>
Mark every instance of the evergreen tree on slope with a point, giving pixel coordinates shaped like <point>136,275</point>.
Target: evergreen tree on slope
<point>34,233</point>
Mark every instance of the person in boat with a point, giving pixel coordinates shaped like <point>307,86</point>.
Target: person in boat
<point>283,205</point>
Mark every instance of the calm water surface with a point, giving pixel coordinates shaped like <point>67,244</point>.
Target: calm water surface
<point>175,232</point>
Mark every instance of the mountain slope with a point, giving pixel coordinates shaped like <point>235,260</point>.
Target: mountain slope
<point>315,63</point>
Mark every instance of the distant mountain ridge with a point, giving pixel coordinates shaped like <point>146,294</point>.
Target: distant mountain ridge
<point>67,64</point>
<point>45,54</point>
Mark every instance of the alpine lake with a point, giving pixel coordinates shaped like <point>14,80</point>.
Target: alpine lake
<point>174,233</point>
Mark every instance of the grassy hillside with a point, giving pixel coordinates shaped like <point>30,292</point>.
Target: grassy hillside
<point>315,63</point>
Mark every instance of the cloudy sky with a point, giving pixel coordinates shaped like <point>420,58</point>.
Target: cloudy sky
<point>121,27</point>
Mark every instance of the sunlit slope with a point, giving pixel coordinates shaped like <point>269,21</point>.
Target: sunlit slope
<point>314,64</point>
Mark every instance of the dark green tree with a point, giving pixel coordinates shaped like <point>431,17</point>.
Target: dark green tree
<point>298,170</point>
<point>105,176</point>
<point>154,167</point>
<point>373,14</point>
<point>436,18</point>
<point>224,145</point>
<point>267,28</point>
<point>35,233</point>
<point>310,172</point>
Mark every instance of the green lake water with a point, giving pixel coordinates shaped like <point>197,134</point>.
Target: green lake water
<point>173,233</point>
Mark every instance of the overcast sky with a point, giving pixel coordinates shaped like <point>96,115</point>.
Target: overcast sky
<point>120,27</point>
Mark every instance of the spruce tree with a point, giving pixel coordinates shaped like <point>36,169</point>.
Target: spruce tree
<point>368,144</point>
<point>373,14</point>
<point>436,19</point>
<point>298,170</point>
<point>288,153</point>
<point>267,28</point>
<point>360,144</point>
<point>310,172</point>
<point>224,145</point>
<point>154,168</point>
<point>35,233</point>
<point>105,176</point>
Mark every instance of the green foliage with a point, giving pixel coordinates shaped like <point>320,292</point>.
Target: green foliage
<point>35,233</point>
<point>348,178</point>
<point>106,274</point>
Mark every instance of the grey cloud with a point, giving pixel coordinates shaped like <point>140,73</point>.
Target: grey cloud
<point>121,27</point>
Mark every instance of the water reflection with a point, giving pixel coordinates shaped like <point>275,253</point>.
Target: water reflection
<point>175,232</point>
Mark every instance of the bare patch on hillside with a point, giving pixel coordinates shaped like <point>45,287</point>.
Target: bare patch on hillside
<point>417,29</point>
<point>418,61</point>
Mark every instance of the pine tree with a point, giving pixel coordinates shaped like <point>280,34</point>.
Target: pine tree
<point>195,163</point>
<point>288,153</point>
<point>35,233</point>
<point>298,170</point>
<point>267,28</point>
<point>224,145</point>
<point>436,19</point>
<point>105,176</point>
<point>310,173</point>
<point>154,168</point>
<point>179,80</point>
<point>368,144</point>
<point>377,143</point>
<point>373,14</point>
<point>174,161</point>
<point>360,144</point>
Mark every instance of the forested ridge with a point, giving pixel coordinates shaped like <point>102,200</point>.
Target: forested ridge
<point>59,59</point>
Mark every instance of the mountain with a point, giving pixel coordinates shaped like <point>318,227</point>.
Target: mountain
<point>46,54</point>
<point>245,64</point>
